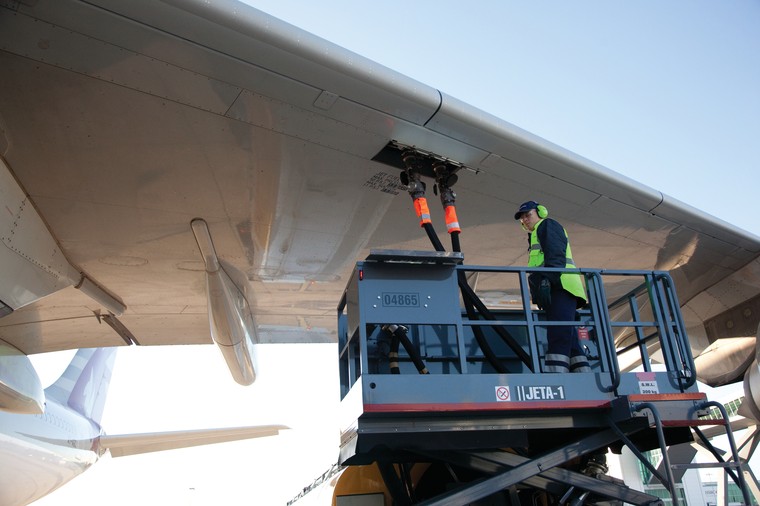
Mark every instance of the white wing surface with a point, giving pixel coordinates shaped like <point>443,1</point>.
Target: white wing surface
<point>122,122</point>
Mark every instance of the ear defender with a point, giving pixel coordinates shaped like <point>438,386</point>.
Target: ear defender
<point>542,211</point>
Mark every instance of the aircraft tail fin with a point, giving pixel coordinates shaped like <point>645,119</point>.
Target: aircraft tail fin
<point>83,386</point>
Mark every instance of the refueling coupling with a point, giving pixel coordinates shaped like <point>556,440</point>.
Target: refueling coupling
<point>415,186</point>
<point>444,180</point>
<point>411,176</point>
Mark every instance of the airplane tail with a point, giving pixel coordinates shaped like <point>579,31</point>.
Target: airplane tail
<point>83,386</point>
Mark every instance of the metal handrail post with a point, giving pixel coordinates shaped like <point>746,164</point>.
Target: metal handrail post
<point>656,296</point>
<point>529,321</point>
<point>606,338</point>
<point>682,342</point>
<point>640,339</point>
<point>732,444</point>
<point>671,352</point>
<point>671,485</point>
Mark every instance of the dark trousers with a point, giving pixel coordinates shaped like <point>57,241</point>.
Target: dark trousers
<point>562,339</point>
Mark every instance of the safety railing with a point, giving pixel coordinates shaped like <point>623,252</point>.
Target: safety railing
<point>431,323</point>
<point>665,320</point>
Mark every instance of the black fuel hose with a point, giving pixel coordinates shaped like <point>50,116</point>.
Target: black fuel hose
<point>398,335</point>
<point>469,294</point>
<point>433,237</point>
<point>481,338</point>
<point>488,352</point>
<point>393,354</point>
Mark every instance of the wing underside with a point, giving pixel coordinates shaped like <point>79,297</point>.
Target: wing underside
<point>122,122</point>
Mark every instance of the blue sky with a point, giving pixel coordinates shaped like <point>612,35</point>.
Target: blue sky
<point>667,93</point>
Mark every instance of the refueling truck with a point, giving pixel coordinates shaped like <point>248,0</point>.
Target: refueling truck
<point>443,396</point>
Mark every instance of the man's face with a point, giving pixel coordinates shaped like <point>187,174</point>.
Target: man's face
<point>529,219</point>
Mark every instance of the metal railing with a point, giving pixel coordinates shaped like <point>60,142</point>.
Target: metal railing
<point>627,312</point>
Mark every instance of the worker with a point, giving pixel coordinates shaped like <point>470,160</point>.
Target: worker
<point>559,294</point>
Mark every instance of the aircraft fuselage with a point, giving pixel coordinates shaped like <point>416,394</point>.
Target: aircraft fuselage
<point>39,453</point>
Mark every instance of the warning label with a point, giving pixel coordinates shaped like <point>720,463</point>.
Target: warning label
<point>385,182</point>
<point>647,383</point>
<point>648,387</point>
<point>502,393</point>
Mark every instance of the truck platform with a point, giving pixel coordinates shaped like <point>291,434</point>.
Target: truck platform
<point>433,375</point>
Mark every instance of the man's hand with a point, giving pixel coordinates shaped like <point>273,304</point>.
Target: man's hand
<point>544,298</point>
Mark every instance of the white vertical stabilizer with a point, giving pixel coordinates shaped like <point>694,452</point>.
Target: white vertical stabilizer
<point>83,386</point>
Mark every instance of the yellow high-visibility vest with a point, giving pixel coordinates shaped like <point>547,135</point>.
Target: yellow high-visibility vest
<point>571,281</point>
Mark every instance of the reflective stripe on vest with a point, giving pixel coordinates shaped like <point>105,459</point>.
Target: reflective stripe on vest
<point>571,282</point>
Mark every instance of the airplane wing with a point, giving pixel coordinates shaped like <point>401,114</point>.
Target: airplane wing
<point>155,151</point>
<point>120,445</point>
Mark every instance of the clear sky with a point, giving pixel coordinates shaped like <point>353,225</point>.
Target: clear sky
<point>667,93</point>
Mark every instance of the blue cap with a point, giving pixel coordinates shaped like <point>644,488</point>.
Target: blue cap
<point>525,207</point>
